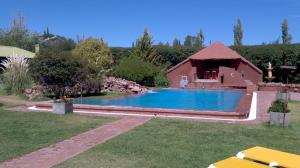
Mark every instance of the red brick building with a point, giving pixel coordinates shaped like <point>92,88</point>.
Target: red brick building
<point>214,65</point>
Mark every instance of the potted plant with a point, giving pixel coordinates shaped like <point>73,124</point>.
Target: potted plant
<point>279,113</point>
<point>62,106</point>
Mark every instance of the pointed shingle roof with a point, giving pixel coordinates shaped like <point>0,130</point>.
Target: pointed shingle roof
<point>216,51</point>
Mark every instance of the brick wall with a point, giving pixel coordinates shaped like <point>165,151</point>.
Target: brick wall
<point>231,77</point>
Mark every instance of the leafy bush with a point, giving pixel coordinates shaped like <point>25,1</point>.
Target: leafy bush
<point>279,106</point>
<point>15,77</point>
<point>161,80</point>
<point>57,70</point>
<point>134,68</point>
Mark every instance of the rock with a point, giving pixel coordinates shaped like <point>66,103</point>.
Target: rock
<point>34,92</point>
<point>112,84</point>
<point>136,89</point>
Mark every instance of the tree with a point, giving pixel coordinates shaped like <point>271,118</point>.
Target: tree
<point>238,33</point>
<point>199,40</point>
<point>160,44</point>
<point>167,45</point>
<point>286,37</point>
<point>188,41</point>
<point>47,34</point>
<point>144,48</point>
<point>96,52</point>
<point>18,35</point>
<point>176,43</point>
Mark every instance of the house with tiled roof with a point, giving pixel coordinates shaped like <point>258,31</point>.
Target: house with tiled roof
<point>214,65</point>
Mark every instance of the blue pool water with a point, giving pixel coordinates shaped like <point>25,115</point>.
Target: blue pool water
<point>220,100</point>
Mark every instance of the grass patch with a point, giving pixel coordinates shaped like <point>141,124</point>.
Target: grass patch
<point>21,133</point>
<point>171,143</point>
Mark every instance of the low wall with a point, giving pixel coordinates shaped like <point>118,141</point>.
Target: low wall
<point>278,87</point>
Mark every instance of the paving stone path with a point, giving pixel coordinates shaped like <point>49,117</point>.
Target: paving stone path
<point>57,153</point>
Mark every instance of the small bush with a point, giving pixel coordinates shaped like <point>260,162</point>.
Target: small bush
<point>136,69</point>
<point>161,80</point>
<point>279,106</point>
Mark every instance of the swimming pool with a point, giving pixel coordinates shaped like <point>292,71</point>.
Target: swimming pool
<point>215,100</point>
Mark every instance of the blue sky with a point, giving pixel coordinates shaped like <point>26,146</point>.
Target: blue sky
<point>120,22</point>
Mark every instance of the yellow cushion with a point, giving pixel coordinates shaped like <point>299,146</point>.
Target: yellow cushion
<point>238,163</point>
<point>266,155</point>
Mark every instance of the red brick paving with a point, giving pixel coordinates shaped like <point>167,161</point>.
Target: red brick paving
<point>264,100</point>
<point>57,153</point>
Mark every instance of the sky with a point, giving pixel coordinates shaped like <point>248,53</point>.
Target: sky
<point>121,22</point>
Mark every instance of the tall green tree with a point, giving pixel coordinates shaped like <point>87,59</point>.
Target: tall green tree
<point>144,48</point>
<point>188,41</point>
<point>199,40</point>
<point>286,37</point>
<point>176,43</point>
<point>238,33</point>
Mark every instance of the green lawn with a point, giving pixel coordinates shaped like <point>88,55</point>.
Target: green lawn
<point>22,133</point>
<point>170,143</point>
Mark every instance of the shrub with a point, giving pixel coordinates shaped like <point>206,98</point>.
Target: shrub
<point>57,71</point>
<point>279,106</point>
<point>15,77</point>
<point>134,68</point>
<point>161,80</point>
